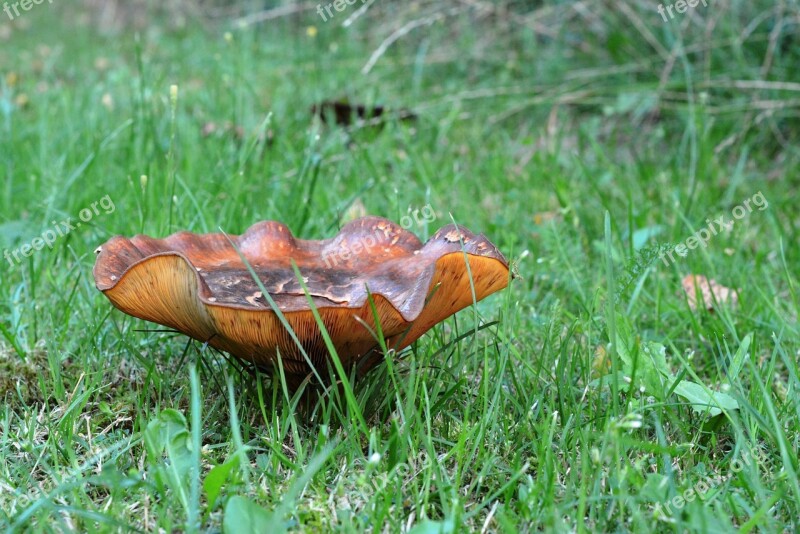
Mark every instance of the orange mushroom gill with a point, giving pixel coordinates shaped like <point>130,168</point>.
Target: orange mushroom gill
<point>198,285</point>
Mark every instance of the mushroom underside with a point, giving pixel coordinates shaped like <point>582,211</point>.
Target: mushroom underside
<point>198,285</point>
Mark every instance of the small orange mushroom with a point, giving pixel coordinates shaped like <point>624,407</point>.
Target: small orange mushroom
<point>198,285</point>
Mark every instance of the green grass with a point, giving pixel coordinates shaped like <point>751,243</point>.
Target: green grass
<point>578,137</point>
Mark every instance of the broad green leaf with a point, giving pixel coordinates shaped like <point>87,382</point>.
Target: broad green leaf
<point>606,380</point>
<point>217,478</point>
<point>433,527</point>
<point>161,430</point>
<point>653,370</point>
<point>655,488</point>
<point>179,453</point>
<point>168,433</point>
<point>703,400</point>
<point>243,516</point>
<point>643,235</point>
<point>648,358</point>
<point>626,345</point>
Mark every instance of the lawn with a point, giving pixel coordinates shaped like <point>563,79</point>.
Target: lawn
<point>625,159</point>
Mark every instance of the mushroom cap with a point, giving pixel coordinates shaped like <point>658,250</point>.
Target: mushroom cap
<point>198,285</point>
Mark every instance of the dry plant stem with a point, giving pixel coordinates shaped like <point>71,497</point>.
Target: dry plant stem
<point>404,30</point>
<point>274,13</point>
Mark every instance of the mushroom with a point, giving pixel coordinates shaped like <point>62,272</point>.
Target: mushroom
<point>199,285</point>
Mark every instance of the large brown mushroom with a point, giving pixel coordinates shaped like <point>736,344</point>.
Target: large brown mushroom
<point>198,285</point>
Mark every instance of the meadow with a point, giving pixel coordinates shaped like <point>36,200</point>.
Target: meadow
<point>640,373</point>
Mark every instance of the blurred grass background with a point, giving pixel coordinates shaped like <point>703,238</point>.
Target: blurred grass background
<point>535,119</point>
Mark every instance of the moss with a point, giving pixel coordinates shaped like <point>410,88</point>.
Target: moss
<point>19,379</point>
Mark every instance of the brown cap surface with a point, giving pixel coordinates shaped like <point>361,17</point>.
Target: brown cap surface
<point>198,285</point>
